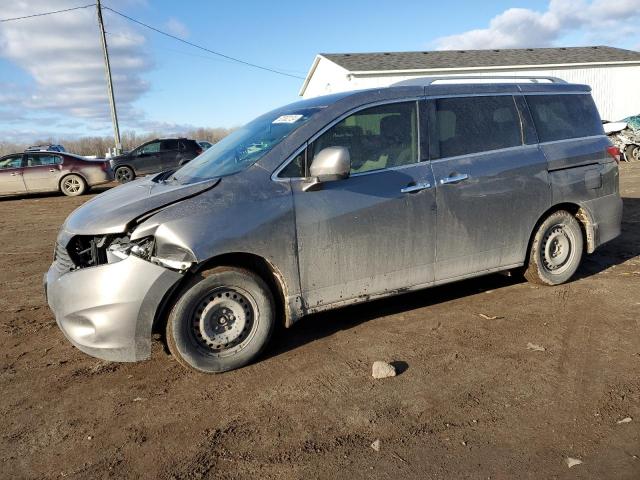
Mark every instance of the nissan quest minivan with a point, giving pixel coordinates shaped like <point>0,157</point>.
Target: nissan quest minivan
<point>333,201</point>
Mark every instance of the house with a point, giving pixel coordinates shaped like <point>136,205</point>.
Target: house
<point>612,73</point>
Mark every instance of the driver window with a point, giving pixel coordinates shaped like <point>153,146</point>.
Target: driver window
<point>11,162</point>
<point>380,137</point>
<point>153,147</point>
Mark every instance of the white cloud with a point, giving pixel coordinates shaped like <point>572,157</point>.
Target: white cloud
<point>177,28</point>
<point>521,27</point>
<point>62,53</point>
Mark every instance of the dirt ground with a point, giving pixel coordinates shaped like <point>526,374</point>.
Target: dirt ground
<point>472,401</point>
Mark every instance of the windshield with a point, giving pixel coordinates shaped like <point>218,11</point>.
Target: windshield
<point>247,145</point>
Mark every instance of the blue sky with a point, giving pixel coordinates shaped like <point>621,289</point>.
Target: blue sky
<point>52,79</point>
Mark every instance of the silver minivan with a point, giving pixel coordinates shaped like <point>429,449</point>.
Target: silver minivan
<point>333,201</point>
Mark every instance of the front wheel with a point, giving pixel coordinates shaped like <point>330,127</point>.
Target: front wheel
<point>124,174</point>
<point>221,321</point>
<point>556,250</point>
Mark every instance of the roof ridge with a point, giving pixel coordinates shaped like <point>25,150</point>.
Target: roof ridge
<point>478,58</point>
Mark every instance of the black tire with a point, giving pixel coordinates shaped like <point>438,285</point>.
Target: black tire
<point>556,250</point>
<point>632,153</point>
<point>221,321</point>
<point>124,174</point>
<point>73,185</point>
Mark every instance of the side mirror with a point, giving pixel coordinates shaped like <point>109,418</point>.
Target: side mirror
<point>331,163</point>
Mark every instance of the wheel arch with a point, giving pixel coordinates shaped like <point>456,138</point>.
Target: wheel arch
<point>256,264</point>
<point>584,220</point>
<point>125,165</point>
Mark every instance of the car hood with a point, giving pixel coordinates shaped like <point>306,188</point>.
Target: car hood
<point>114,210</point>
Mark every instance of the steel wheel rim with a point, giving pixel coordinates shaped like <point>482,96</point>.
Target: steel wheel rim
<point>71,185</point>
<point>123,175</point>
<point>635,153</point>
<point>557,249</point>
<point>224,321</point>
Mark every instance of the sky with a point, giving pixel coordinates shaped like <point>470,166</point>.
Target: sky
<point>52,81</point>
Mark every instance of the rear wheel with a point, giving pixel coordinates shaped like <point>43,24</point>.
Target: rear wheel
<point>632,153</point>
<point>556,250</point>
<point>221,321</point>
<point>73,185</point>
<point>124,174</point>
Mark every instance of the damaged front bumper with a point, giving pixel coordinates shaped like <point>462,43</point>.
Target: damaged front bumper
<point>107,311</point>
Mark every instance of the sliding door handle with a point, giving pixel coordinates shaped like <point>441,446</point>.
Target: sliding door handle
<point>415,188</point>
<point>454,178</point>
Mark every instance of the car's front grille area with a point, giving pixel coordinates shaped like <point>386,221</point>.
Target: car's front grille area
<point>88,251</point>
<point>62,260</point>
<point>83,251</point>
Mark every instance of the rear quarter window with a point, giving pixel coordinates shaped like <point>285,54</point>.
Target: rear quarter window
<point>560,117</point>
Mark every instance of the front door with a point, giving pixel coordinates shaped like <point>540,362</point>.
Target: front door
<point>374,232</point>
<point>42,172</point>
<point>170,152</point>
<point>11,175</point>
<point>491,187</point>
<point>148,158</point>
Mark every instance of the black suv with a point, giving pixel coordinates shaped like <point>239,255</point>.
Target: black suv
<point>154,156</point>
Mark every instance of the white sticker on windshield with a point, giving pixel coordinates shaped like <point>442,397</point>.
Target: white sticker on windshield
<point>287,119</point>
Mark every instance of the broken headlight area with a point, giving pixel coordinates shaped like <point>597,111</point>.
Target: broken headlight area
<point>90,251</point>
<point>145,248</point>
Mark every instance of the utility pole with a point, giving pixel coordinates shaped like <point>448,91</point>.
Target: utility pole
<point>107,70</point>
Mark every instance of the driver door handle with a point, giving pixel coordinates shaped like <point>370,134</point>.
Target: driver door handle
<point>454,178</point>
<point>415,188</point>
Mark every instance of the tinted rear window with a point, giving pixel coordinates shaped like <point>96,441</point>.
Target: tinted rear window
<point>189,145</point>
<point>169,145</point>
<point>558,117</point>
<point>476,124</point>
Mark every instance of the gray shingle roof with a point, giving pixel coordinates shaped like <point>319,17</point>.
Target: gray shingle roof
<point>355,62</point>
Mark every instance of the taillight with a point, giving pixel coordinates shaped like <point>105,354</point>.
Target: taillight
<point>198,151</point>
<point>614,152</point>
<point>105,166</point>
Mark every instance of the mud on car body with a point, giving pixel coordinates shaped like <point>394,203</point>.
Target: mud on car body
<point>333,201</point>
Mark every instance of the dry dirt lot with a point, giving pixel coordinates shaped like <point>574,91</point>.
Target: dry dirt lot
<point>472,401</point>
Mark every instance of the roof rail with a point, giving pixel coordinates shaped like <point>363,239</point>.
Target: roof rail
<point>426,81</point>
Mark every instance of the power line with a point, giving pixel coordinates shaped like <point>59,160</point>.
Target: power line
<point>237,60</point>
<point>182,52</point>
<point>46,13</point>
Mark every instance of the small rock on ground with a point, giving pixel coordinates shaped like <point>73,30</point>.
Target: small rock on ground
<point>376,445</point>
<point>383,370</point>
<point>572,462</point>
<point>535,348</point>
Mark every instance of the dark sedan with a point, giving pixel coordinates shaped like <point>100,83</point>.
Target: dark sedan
<point>31,172</point>
<point>154,156</point>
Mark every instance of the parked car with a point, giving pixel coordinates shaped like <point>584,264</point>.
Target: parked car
<point>204,144</point>
<point>46,148</point>
<point>153,157</point>
<point>626,136</point>
<point>31,172</point>
<point>333,201</point>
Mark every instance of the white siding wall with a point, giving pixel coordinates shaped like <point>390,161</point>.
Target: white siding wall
<point>616,89</point>
<point>328,77</point>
